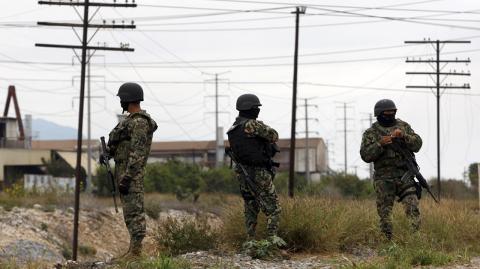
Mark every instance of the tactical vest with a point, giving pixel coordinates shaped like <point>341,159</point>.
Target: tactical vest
<point>391,163</point>
<point>249,149</point>
<point>119,139</point>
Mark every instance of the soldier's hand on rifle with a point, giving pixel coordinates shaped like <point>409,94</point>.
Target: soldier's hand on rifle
<point>124,185</point>
<point>103,159</point>
<point>385,140</point>
<point>397,133</point>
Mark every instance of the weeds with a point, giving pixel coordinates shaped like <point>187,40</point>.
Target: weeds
<point>182,236</point>
<point>448,232</point>
<point>87,250</point>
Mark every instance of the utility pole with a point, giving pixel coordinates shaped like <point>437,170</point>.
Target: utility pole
<point>329,152</point>
<point>438,71</point>
<point>219,146</point>
<point>307,132</point>
<point>370,165</point>
<point>89,185</point>
<point>291,177</point>
<point>345,134</point>
<point>84,47</point>
<point>345,130</point>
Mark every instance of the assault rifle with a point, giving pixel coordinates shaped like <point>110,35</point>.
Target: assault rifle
<point>104,160</point>
<point>413,172</point>
<point>248,180</point>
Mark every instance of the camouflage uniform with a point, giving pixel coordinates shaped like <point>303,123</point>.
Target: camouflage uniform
<point>263,180</point>
<point>129,143</point>
<point>389,168</point>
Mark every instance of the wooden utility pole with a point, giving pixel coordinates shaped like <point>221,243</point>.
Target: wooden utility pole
<point>438,85</point>
<point>84,47</point>
<point>291,177</point>
<point>307,138</point>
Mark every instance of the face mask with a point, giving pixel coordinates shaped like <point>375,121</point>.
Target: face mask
<point>386,120</point>
<point>124,106</point>
<point>251,113</point>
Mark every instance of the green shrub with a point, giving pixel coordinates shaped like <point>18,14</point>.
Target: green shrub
<point>165,177</point>
<point>67,252</point>
<point>103,186</point>
<point>87,250</point>
<point>152,208</point>
<point>182,236</point>
<point>220,180</point>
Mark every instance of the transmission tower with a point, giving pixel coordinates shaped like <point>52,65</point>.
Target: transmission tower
<point>307,132</point>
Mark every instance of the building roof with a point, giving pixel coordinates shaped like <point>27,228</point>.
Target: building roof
<point>162,146</point>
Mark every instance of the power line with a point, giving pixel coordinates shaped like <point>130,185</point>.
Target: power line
<point>388,8</point>
<point>305,83</point>
<point>335,52</point>
<point>400,19</point>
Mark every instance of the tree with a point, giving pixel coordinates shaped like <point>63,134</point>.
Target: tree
<point>473,174</point>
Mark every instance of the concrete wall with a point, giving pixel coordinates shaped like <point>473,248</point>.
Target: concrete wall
<point>21,157</point>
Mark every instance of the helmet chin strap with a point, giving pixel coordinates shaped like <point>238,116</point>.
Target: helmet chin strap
<point>124,106</point>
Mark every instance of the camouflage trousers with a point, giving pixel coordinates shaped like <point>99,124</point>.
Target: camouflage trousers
<point>263,197</point>
<point>134,216</point>
<point>387,191</point>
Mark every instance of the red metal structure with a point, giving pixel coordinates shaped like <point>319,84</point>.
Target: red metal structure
<point>12,95</point>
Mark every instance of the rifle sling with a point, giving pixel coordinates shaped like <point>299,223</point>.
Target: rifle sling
<point>406,194</point>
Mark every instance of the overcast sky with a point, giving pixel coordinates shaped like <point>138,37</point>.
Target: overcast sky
<point>351,51</point>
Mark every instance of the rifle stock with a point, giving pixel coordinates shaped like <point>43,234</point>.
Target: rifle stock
<point>109,172</point>
<point>250,184</point>
<point>400,147</point>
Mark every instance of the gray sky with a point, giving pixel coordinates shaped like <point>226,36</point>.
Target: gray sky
<point>350,53</point>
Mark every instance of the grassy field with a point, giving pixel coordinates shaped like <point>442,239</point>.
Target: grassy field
<point>311,225</point>
<point>449,230</point>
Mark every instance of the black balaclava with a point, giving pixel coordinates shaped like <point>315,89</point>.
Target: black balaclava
<point>386,120</point>
<point>250,114</point>
<point>124,106</point>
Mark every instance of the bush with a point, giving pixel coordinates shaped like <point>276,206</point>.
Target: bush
<point>338,185</point>
<point>87,250</point>
<point>183,236</point>
<point>453,189</point>
<point>152,208</point>
<point>103,186</point>
<point>166,177</point>
<point>220,180</point>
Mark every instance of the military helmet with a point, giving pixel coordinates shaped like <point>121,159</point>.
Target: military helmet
<point>247,101</point>
<point>130,92</point>
<point>384,105</point>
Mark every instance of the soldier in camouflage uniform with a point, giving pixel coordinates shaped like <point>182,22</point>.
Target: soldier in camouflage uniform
<point>390,168</point>
<point>253,143</point>
<point>129,144</point>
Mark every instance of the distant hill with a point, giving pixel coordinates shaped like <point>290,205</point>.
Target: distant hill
<point>47,130</point>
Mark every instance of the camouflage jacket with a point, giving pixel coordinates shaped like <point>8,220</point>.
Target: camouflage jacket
<point>388,164</point>
<point>129,144</point>
<point>260,129</point>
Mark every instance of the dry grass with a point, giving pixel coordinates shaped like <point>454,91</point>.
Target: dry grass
<point>449,231</point>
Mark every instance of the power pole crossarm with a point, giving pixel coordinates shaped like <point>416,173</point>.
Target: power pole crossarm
<point>84,47</point>
<point>437,73</point>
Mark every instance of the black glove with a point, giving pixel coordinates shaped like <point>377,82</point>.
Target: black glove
<point>124,185</point>
<point>104,158</point>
